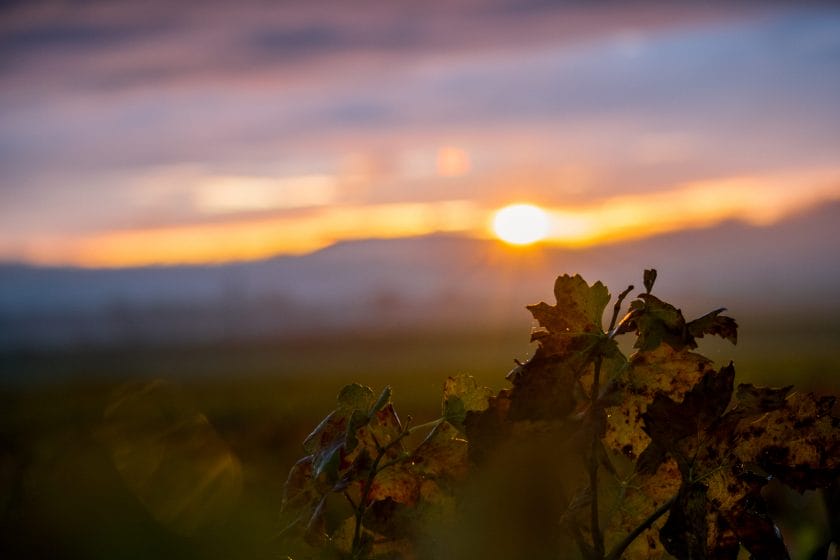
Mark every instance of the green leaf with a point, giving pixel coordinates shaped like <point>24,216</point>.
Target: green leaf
<point>715,324</point>
<point>579,307</point>
<point>355,397</point>
<point>657,322</point>
<point>462,394</point>
<point>336,435</point>
<point>341,451</point>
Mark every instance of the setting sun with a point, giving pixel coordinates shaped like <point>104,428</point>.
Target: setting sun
<point>521,224</point>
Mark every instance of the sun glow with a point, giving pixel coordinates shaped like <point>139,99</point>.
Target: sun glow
<point>521,224</point>
<point>254,238</point>
<point>243,234</point>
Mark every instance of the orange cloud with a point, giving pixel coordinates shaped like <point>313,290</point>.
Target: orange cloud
<point>252,239</point>
<point>758,200</point>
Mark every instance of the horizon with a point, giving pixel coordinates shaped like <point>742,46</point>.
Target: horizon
<point>514,250</point>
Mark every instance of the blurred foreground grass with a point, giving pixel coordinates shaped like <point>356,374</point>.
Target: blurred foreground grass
<point>64,492</point>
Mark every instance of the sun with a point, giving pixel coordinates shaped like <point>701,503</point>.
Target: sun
<point>521,224</point>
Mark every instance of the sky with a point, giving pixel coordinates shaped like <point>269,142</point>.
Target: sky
<point>137,133</point>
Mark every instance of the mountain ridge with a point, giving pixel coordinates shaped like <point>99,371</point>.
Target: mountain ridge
<point>791,266</point>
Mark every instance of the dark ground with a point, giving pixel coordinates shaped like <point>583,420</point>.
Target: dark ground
<point>63,494</point>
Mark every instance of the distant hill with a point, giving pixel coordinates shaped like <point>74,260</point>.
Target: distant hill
<point>430,282</point>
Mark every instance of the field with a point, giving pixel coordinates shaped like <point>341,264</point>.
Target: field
<point>62,493</point>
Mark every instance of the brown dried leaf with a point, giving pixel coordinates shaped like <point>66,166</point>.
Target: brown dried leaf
<point>728,457</point>
<point>675,427</point>
<point>663,370</point>
<point>798,443</point>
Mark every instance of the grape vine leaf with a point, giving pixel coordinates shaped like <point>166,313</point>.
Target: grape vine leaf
<point>663,364</point>
<point>462,394</point>
<point>644,481</point>
<point>357,453</point>
<point>714,323</point>
<point>579,307</point>
<point>662,370</point>
<point>442,455</point>
<point>725,458</point>
<point>656,322</point>
<point>340,454</point>
<point>547,388</point>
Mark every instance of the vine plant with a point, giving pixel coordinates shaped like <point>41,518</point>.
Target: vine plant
<point>651,456</point>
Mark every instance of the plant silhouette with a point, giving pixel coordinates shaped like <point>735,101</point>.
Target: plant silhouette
<point>589,453</point>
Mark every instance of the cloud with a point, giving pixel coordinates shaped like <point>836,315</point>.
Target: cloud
<point>104,101</point>
<point>757,200</point>
<point>701,80</point>
<point>160,43</point>
<point>244,239</point>
<point>237,194</point>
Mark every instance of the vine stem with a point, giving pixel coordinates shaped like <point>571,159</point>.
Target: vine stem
<point>597,536</point>
<point>595,411</point>
<point>619,548</point>
<point>362,507</point>
<point>375,469</point>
